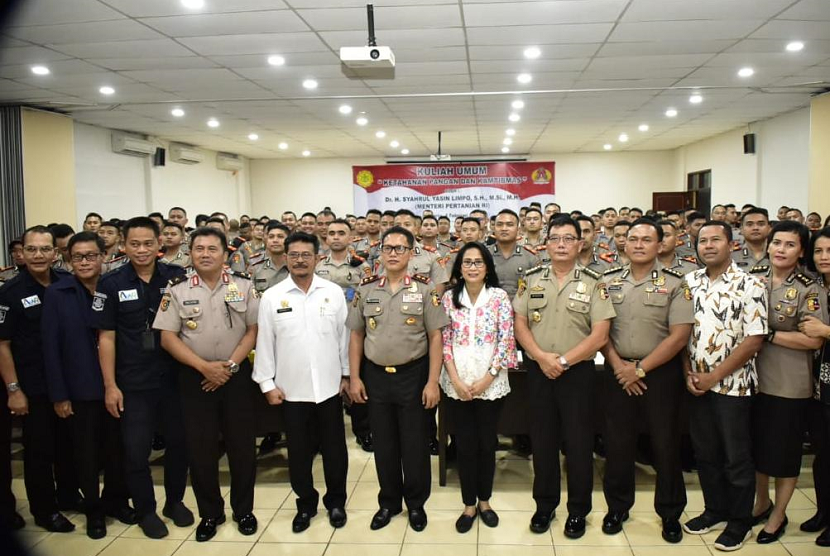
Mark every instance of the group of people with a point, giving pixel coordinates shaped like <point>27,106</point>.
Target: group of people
<point>105,341</point>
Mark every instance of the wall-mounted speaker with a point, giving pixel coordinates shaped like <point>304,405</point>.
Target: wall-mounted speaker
<point>749,143</point>
<point>160,157</point>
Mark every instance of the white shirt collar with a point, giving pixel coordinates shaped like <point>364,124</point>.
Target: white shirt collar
<point>482,300</point>
<point>315,283</point>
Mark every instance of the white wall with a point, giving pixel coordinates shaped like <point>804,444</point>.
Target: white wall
<point>117,185</point>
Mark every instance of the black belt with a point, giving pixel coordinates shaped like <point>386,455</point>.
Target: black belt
<point>391,369</point>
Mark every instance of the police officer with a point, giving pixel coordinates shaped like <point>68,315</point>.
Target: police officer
<point>589,256</point>
<point>534,229</point>
<point>756,229</point>
<point>396,322</point>
<point>16,253</point>
<point>110,232</point>
<point>421,261</point>
<point>271,269</point>
<point>694,221</point>
<point>562,319</point>
<point>208,324</point>
<point>668,256</point>
<point>654,320</point>
<point>172,238</point>
<point>364,246</point>
<point>511,259</point>
<point>141,388</point>
<point>47,461</point>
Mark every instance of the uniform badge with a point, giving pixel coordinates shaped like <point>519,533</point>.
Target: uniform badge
<point>356,299</point>
<point>3,311</point>
<point>537,289</point>
<point>165,302</point>
<point>659,281</point>
<point>98,301</point>
<point>191,324</point>
<point>413,288</point>
<point>789,311</point>
<point>536,316</point>
<point>410,320</point>
<point>813,303</point>
<point>687,292</point>
<point>233,294</point>
<point>581,287</point>
<point>128,295</point>
<point>791,293</point>
<point>372,323</point>
<point>522,287</point>
<point>436,300</point>
<point>603,291</point>
<point>284,303</point>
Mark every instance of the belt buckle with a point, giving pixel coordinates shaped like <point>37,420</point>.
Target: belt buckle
<point>390,370</point>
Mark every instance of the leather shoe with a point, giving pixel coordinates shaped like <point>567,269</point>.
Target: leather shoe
<point>672,532</point>
<point>433,447</point>
<point>575,526</point>
<point>766,538</point>
<point>96,527</point>
<point>763,516</point>
<point>125,514</point>
<point>178,512</point>
<point>612,522</point>
<point>17,522</point>
<point>207,528</point>
<point>824,538</point>
<point>55,523</point>
<point>337,517</point>
<point>301,521</point>
<point>246,524</point>
<point>382,517</point>
<point>815,523</point>
<point>152,526</point>
<point>365,441</point>
<point>269,443</point>
<point>488,517</point>
<point>418,519</point>
<point>540,522</point>
<point>464,523</point>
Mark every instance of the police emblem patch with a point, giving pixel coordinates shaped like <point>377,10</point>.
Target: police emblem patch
<point>98,301</point>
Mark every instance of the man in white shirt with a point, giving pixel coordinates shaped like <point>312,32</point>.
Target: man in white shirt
<point>302,363</point>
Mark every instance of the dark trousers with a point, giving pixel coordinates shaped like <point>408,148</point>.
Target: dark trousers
<point>820,437</point>
<point>47,458</point>
<point>228,411</point>
<point>143,409</point>
<point>359,414</point>
<point>7,500</point>
<point>475,423</point>
<point>399,428</point>
<point>97,443</point>
<point>658,408</point>
<point>720,427</point>
<point>561,413</point>
<point>311,426</point>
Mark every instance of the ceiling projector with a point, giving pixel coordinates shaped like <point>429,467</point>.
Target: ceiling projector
<point>367,57</point>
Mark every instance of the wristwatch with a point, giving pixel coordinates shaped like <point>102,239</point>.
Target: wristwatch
<point>771,336</point>
<point>234,367</point>
<point>13,387</point>
<point>564,362</point>
<point>641,372</point>
<point>494,372</point>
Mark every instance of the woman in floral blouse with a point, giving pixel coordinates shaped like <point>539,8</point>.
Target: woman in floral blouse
<point>479,348</point>
<point>820,415</point>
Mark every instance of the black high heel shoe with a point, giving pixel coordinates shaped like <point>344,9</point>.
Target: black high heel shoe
<point>766,538</point>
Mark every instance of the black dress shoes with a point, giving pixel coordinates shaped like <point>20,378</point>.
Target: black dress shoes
<point>179,513</point>
<point>767,538</point>
<point>540,522</point>
<point>96,527</point>
<point>464,523</point>
<point>16,523</point>
<point>55,523</point>
<point>302,521</point>
<point>207,528</point>
<point>337,517</point>
<point>152,526</point>
<point>575,526</point>
<point>763,516</point>
<point>418,519</point>
<point>382,517</point>
<point>246,524</point>
<point>269,443</point>
<point>824,538</point>
<point>672,532</point>
<point>612,522</point>
<point>488,517</point>
<point>125,514</point>
<point>365,441</point>
<point>433,447</point>
<point>815,523</point>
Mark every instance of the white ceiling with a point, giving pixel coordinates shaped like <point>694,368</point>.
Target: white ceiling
<point>606,67</point>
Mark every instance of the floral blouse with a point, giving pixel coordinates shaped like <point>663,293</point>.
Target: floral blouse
<point>479,338</point>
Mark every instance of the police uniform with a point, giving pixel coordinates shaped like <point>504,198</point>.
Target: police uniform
<point>746,260</point>
<point>511,269</point>
<point>116,260</point>
<point>687,248</point>
<point>395,371</point>
<point>595,263</point>
<point>562,410</point>
<point>212,322</point>
<point>7,273</point>
<point>423,262</point>
<point>63,265</point>
<point>347,274</point>
<point>179,259</point>
<point>242,257</point>
<point>266,275</point>
<point>683,265</point>
<point>645,309</point>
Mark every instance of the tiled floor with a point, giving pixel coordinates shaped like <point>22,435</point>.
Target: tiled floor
<point>274,508</point>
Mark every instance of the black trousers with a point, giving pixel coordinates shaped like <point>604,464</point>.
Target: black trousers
<point>820,437</point>
<point>561,413</point>
<point>658,408</point>
<point>310,426</point>
<point>359,414</point>
<point>7,501</point>
<point>720,427</point>
<point>97,445</point>
<point>476,441</point>
<point>143,409</point>
<point>48,466</point>
<point>228,411</point>
<point>399,428</point>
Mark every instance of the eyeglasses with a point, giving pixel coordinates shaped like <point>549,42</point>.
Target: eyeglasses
<point>45,250</point>
<point>89,257</point>
<point>306,256</point>
<point>467,263</point>
<point>399,249</point>
<point>567,240</point>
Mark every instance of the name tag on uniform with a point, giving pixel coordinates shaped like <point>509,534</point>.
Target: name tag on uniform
<point>413,298</point>
<point>580,297</point>
<point>260,280</point>
<point>537,296</point>
<point>373,301</point>
<point>30,301</point>
<point>127,295</point>
<point>285,310</point>
<point>190,302</point>
<point>321,272</point>
<point>614,287</point>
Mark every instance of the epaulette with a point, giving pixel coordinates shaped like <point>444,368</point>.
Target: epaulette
<point>612,270</point>
<point>116,259</point>
<point>592,273</point>
<point>429,249</point>
<point>421,278</point>
<point>374,243</point>
<point>241,274</point>
<point>160,255</point>
<point>736,246</point>
<point>689,259</point>
<point>804,279</point>
<point>530,249</point>
<point>607,257</point>
<point>758,269</point>
<point>603,245</point>
<point>369,279</point>
<point>456,250</point>
<point>177,280</point>
<point>355,261</point>
<point>5,268</point>
<point>673,272</point>
<point>535,269</point>
<point>259,262</point>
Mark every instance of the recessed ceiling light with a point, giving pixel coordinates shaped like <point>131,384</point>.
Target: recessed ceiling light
<point>193,4</point>
<point>795,46</point>
<point>282,146</point>
<point>361,121</point>
<point>276,60</point>
<point>310,84</point>
<point>532,52</point>
<point>213,122</point>
<point>514,117</point>
<point>507,141</point>
<point>404,151</point>
<point>518,104</point>
<point>608,146</point>
<point>746,72</point>
<point>643,127</point>
<point>696,98</point>
<point>671,113</point>
<point>306,153</point>
<point>505,150</point>
<point>380,134</point>
<point>623,138</point>
<point>524,78</point>
<point>510,132</point>
<point>106,90</point>
<point>345,109</point>
<point>253,136</point>
<point>177,112</point>
<point>394,144</point>
<point>40,70</point>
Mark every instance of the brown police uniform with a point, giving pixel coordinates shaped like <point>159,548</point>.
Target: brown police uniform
<point>179,259</point>
<point>265,274</point>
<point>346,274</point>
<point>746,260</point>
<point>511,269</point>
<point>425,262</point>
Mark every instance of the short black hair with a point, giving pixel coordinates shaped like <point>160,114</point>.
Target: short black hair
<point>638,209</point>
<point>649,222</point>
<point>14,243</point>
<point>84,237</point>
<point>111,224</point>
<point>405,212</point>
<point>429,217</point>
<point>374,211</point>
<point>603,211</point>
<point>482,211</point>
<point>93,214</point>
<point>220,214</point>
<point>205,232</point>
<point>755,210</point>
<point>177,208</point>
<point>440,218</point>
<point>61,231</point>
<point>169,224</point>
<point>471,219</point>
<point>510,212</point>
<point>291,212</point>
<point>410,239</point>
<point>623,223</point>
<point>695,215</point>
<point>561,220</point>
<point>583,218</point>
<point>155,215</point>
<point>202,218</point>
<point>667,222</point>
<point>277,225</point>
<point>302,237</point>
<point>215,220</point>
<point>140,222</point>
<point>311,214</point>
<point>342,221</point>
<point>326,212</point>
<point>557,205</point>
<point>791,226</point>
<point>727,229</point>
<point>38,229</point>
<point>535,209</point>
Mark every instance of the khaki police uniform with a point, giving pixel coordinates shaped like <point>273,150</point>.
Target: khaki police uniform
<point>7,273</point>
<point>561,410</point>
<point>424,262</point>
<point>512,268</point>
<point>595,262</point>
<point>116,260</point>
<point>242,257</point>
<point>346,274</point>
<point>395,371</point>
<point>265,274</point>
<point>212,323</point>
<point>179,259</point>
<point>646,309</point>
<point>746,260</point>
<point>687,248</point>
<point>683,265</point>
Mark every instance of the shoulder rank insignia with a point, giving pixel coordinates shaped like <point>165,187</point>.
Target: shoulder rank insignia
<point>535,269</point>
<point>369,279</point>
<point>421,278</point>
<point>759,269</point>
<point>429,249</point>
<point>612,270</point>
<point>673,272</point>
<point>592,273</point>
<point>804,279</point>
<point>530,249</point>
<point>241,275</point>
<point>177,280</point>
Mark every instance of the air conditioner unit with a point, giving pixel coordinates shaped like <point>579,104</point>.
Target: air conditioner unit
<point>227,161</point>
<point>123,143</point>
<point>185,154</point>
